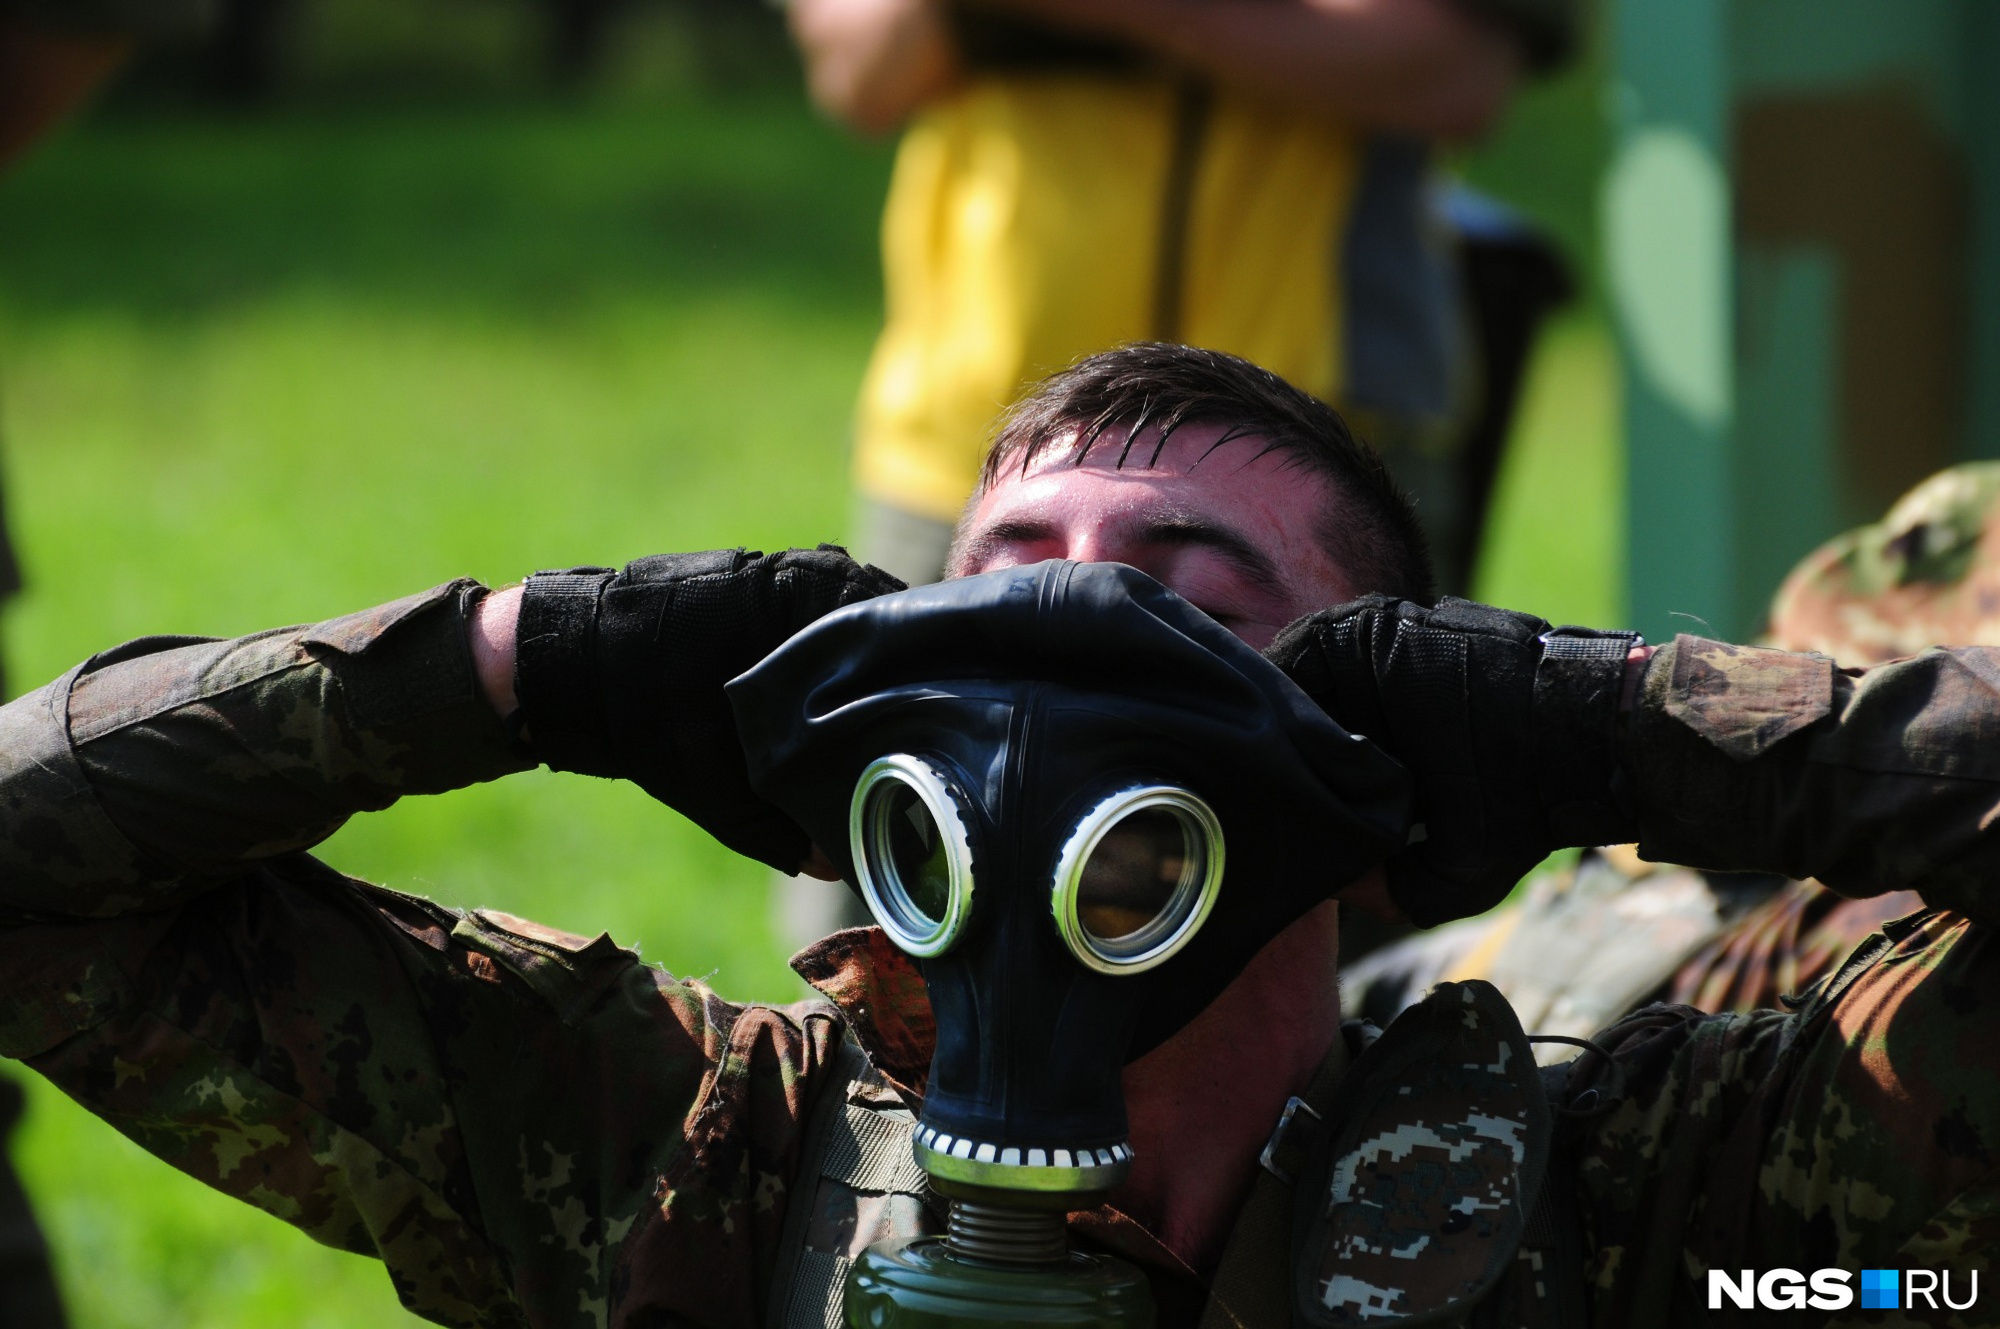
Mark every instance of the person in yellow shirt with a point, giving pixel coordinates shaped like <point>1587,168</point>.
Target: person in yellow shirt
<point>1246,175</point>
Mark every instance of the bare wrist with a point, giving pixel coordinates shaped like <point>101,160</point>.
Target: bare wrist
<point>492,636</point>
<point>1636,661</point>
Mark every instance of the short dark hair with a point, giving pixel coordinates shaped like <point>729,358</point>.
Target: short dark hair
<point>1370,531</point>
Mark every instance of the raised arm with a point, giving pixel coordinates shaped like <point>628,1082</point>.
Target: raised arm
<point>1525,739</point>
<point>1434,68</point>
<point>871,63</point>
<point>353,1060</point>
<point>154,770</point>
<point>1867,780</point>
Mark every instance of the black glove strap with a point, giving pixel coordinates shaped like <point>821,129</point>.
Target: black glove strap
<point>555,673</point>
<point>1577,687</point>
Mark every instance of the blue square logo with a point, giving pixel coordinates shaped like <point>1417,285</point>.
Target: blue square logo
<point>1878,1289</point>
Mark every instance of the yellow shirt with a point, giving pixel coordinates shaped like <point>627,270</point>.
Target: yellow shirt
<point>1025,226</point>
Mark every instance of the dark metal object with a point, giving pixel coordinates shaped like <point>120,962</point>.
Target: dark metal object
<point>1002,1235</point>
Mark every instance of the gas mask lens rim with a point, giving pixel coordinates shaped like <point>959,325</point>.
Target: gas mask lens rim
<point>1188,903</point>
<point>873,832</point>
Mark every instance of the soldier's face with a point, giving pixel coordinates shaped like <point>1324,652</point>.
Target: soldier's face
<point>1235,532</point>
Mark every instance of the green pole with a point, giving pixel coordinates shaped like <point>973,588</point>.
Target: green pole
<point>1668,261</point>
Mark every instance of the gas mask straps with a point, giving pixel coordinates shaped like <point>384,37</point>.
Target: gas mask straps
<point>912,853</point>
<point>1137,878</point>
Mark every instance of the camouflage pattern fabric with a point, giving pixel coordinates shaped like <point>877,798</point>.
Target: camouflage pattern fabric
<point>1782,946</point>
<point>1575,950</point>
<point>1928,574</point>
<point>1737,755</point>
<point>353,1060</point>
<point>1859,1133</point>
<point>1579,948</point>
<point>1416,1202</point>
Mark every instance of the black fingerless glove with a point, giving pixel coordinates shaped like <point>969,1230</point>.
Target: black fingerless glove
<point>1508,725</point>
<point>621,674</point>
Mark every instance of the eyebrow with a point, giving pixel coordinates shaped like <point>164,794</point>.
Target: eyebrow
<point>1187,530</point>
<point>1175,529</point>
<point>990,541</point>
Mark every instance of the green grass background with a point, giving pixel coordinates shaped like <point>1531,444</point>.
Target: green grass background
<point>269,370</point>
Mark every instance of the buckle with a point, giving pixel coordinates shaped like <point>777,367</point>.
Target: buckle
<point>1287,1142</point>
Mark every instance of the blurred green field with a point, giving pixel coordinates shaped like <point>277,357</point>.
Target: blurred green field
<point>263,371</point>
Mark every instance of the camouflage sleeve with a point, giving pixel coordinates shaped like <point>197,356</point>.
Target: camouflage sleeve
<point>1868,780</point>
<point>154,770</point>
<point>527,1127</point>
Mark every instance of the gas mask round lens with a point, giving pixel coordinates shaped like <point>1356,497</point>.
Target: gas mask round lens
<point>911,853</point>
<point>1137,877</point>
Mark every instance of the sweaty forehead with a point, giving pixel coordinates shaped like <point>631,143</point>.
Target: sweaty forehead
<point>1207,485</point>
<point>1211,446</point>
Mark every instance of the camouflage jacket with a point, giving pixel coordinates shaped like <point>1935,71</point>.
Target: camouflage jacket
<point>351,1059</point>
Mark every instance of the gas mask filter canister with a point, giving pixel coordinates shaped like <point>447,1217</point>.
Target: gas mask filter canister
<point>1082,806</point>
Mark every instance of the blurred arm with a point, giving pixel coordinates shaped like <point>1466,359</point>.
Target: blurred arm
<point>44,74</point>
<point>871,63</point>
<point>1742,759</point>
<point>1425,67</point>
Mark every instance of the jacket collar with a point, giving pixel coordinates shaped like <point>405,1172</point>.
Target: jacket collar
<point>881,992</point>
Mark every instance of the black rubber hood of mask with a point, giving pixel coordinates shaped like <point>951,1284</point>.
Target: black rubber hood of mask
<point>1305,806</point>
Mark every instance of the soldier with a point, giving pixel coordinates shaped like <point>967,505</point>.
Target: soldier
<point>534,1128</point>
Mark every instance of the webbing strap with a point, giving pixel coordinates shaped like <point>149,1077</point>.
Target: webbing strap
<point>866,1151</point>
<point>870,1151</point>
<point>1253,1284</point>
<point>856,1151</point>
<point>555,669</point>
<point>1581,678</point>
<point>804,1283</point>
<point>819,1283</point>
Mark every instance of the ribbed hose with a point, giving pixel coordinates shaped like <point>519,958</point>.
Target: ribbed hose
<point>995,1234</point>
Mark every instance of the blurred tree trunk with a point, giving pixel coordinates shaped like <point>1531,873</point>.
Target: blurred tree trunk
<point>577,32</point>
<point>249,50</point>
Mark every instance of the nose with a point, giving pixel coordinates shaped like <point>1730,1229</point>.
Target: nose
<point>1097,545</point>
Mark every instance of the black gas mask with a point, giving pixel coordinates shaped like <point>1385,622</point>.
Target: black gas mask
<point>1083,806</point>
